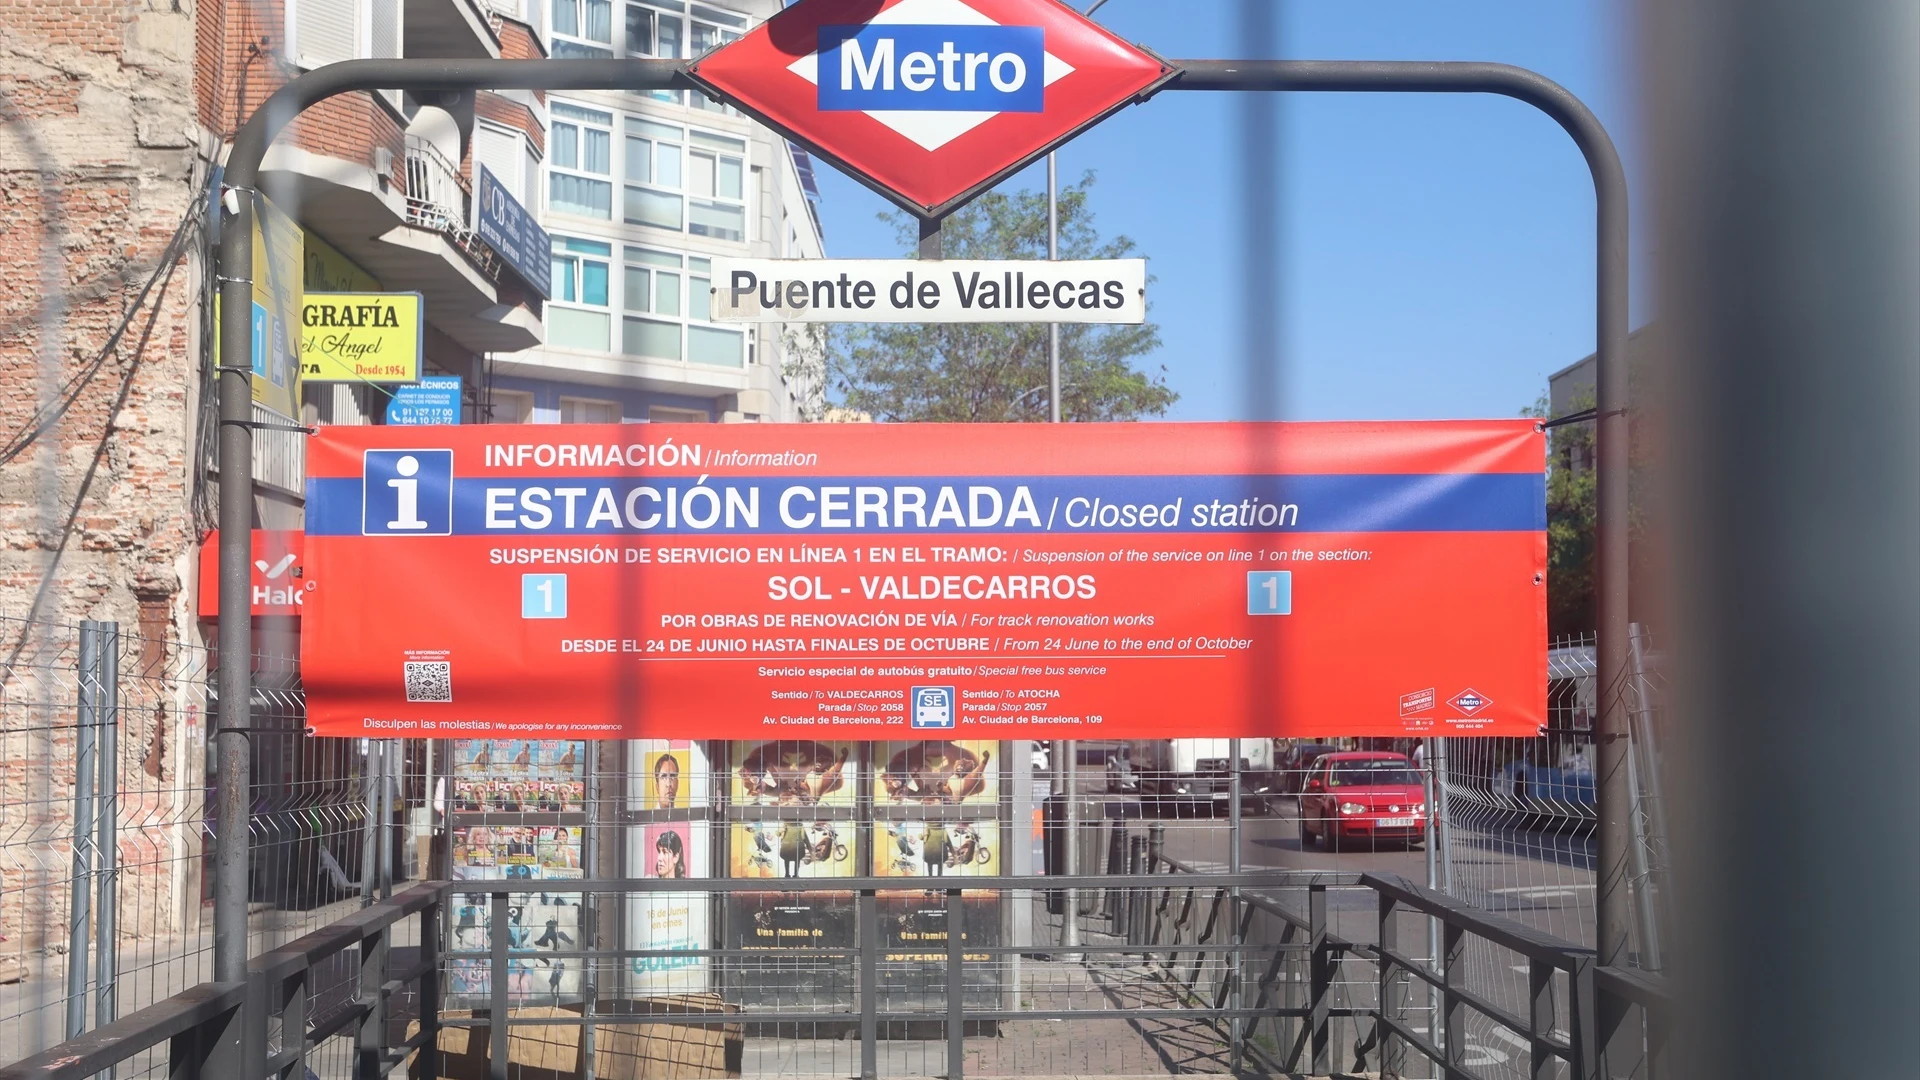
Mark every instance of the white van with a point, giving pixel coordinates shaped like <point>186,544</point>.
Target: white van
<point>1192,774</point>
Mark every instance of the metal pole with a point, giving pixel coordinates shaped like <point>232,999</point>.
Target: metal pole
<point>1653,797</point>
<point>107,848</point>
<point>80,884</point>
<point>1070,847</point>
<point>1788,162</point>
<point>867,922</point>
<point>389,789</point>
<point>1442,822</point>
<point>956,987</point>
<point>1237,1024</point>
<point>1433,882</point>
<point>372,762</point>
<point>1612,793</point>
<point>1643,878</point>
<point>234,274</point>
<point>590,909</point>
<point>1053,329</point>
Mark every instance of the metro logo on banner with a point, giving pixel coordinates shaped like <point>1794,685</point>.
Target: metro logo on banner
<point>930,101</point>
<point>857,581</point>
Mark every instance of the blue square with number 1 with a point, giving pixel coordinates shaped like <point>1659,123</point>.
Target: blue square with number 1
<point>1269,592</point>
<point>543,596</point>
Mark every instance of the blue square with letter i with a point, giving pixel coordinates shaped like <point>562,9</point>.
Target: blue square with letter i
<point>932,706</point>
<point>1269,592</point>
<point>407,493</point>
<point>543,596</point>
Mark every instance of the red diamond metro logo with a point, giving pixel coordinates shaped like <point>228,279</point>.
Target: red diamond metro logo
<point>929,102</point>
<point>1469,702</point>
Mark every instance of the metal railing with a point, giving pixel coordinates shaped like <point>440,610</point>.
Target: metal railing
<point>441,199</point>
<point>1201,937</point>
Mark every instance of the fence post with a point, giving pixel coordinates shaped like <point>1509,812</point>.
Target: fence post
<point>373,762</point>
<point>869,916</point>
<point>371,1039</point>
<point>80,884</point>
<point>497,939</point>
<point>1583,1020</point>
<point>107,849</point>
<point>1540,1017</point>
<point>1453,978</point>
<point>956,987</point>
<point>431,927</point>
<point>1236,1025</point>
<point>1137,896</point>
<point>590,912</point>
<point>1320,975</point>
<point>1392,984</point>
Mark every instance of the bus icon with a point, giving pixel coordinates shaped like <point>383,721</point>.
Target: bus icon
<point>933,707</point>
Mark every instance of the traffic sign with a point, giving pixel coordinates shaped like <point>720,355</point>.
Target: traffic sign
<point>930,102</point>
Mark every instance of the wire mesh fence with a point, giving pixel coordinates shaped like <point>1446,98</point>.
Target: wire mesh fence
<point>107,825</point>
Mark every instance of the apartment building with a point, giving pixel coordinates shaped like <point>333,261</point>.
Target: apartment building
<point>642,190</point>
<point>116,122</point>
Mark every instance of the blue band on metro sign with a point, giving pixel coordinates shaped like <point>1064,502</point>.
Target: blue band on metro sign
<point>933,68</point>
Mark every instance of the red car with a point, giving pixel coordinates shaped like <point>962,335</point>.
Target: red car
<point>1361,799</point>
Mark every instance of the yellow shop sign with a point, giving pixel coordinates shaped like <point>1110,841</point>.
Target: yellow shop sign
<point>360,337</point>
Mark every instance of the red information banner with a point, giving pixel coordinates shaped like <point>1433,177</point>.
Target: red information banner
<point>876,581</point>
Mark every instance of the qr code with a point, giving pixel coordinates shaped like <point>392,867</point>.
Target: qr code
<point>429,680</point>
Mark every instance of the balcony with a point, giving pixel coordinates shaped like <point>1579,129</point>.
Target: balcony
<point>453,29</point>
<point>407,226</point>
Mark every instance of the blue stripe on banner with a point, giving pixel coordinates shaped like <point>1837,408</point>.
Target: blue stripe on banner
<point>1059,505</point>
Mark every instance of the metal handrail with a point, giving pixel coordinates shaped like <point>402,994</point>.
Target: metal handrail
<point>201,1023</point>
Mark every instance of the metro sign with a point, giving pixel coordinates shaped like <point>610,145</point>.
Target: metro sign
<point>930,102</point>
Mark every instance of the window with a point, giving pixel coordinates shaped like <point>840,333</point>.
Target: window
<point>579,180</point>
<point>580,276</point>
<point>578,410</point>
<point>662,301</point>
<point>583,28</point>
<point>320,32</point>
<point>511,407</point>
<point>654,175</point>
<point>716,178</point>
<point>662,414</point>
<point>683,179</point>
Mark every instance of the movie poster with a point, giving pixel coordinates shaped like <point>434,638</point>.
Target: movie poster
<point>670,850</point>
<point>936,772</point>
<point>667,775</point>
<point>934,849</point>
<point>794,772</point>
<point>794,848</point>
<point>805,942</point>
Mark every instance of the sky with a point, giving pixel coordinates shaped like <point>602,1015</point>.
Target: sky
<point>1436,251</point>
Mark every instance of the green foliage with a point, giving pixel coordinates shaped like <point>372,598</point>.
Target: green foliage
<point>1572,520</point>
<point>998,371</point>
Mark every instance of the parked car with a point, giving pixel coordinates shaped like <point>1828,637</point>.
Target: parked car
<point>1361,799</point>
<point>1194,776</point>
<point>1296,761</point>
<point>1122,779</point>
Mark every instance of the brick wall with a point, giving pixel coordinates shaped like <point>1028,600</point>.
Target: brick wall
<point>97,170</point>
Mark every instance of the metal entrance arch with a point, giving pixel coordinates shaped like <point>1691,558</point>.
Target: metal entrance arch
<point>426,78</point>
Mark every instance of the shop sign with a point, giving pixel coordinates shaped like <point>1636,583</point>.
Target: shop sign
<point>361,337</point>
<point>279,583</point>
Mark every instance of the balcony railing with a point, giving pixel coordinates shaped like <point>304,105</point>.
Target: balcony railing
<point>440,199</point>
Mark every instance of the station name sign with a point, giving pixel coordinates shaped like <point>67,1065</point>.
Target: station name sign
<point>947,290</point>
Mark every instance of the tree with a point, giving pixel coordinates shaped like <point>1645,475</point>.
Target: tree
<point>998,371</point>
<point>1572,520</point>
